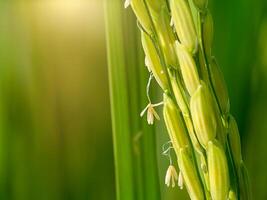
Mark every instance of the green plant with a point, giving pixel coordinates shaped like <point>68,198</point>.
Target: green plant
<point>177,40</point>
<point>134,141</point>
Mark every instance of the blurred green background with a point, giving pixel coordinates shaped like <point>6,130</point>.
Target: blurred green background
<point>55,126</point>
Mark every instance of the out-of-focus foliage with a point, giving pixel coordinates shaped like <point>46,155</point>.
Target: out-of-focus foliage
<point>55,137</point>
<point>256,126</point>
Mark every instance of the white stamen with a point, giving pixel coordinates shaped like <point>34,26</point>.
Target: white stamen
<point>168,178</point>
<point>171,176</point>
<point>144,111</point>
<point>181,180</point>
<point>150,116</point>
<point>127,3</point>
<point>151,113</point>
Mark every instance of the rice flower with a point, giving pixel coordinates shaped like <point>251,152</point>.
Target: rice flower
<point>171,176</point>
<point>203,115</point>
<point>235,143</point>
<point>218,171</point>
<point>154,61</point>
<point>183,23</point>
<point>166,38</point>
<point>174,123</point>
<point>219,86</point>
<point>151,113</point>
<point>140,11</point>
<point>188,68</point>
<point>181,181</point>
<point>190,175</point>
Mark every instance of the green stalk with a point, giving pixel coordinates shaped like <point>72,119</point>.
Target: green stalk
<point>134,141</point>
<point>119,101</point>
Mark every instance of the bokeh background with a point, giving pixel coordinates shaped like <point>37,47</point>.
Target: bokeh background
<point>55,126</point>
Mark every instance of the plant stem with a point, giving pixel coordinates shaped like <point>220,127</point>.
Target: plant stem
<point>119,101</point>
<point>134,141</point>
